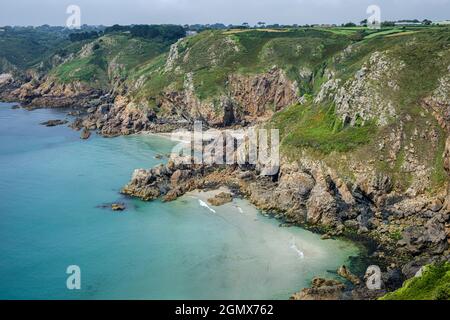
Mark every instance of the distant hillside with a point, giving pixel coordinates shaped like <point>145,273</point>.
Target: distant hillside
<point>22,48</point>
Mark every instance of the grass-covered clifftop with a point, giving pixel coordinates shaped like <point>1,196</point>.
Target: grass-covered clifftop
<point>107,59</point>
<point>110,56</point>
<point>212,56</point>
<point>433,284</point>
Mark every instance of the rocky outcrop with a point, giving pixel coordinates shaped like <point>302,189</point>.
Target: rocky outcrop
<point>168,181</point>
<point>430,237</point>
<point>321,289</point>
<point>344,272</point>
<point>118,118</point>
<point>363,97</point>
<point>48,93</point>
<point>8,84</point>
<point>248,99</point>
<point>118,207</point>
<point>261,95</point>
<point>439,102</point>
<point>220,199</point>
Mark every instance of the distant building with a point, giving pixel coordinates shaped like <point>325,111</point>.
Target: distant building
<point>323,25</point>
<point>403,23</point>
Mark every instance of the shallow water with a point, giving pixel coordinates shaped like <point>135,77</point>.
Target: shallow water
<point>51,184</point>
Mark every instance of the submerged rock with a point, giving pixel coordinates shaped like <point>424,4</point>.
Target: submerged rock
<point>118,207</point>
<point>53,123</point>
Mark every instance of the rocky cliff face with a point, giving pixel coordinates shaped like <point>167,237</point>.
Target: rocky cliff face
<point>259,96</point>
<point>439,102</point>
<point>248,99</point>
<point>34,91</point>
<point>363,97</point>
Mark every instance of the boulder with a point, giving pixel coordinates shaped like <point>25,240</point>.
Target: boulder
<point>393,279</point>
<point>410,269</point>
<point>321,207</point>
<point>85,134</point>
<point>77,124</point>
<point>220,199</point>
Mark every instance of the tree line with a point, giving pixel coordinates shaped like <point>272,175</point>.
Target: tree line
<point>164,33</point>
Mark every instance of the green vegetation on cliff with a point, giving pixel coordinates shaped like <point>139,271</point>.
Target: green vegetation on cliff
<point>212,56</point>
<point>24,47</point>
<point>383,74</point>
<point>109,58</point>
<point>434,284</point>
<point>318,128</point>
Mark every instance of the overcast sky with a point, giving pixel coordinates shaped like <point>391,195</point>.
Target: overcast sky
<point>108,12</point>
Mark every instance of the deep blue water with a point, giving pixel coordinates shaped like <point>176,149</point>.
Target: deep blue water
<point>51,184</point>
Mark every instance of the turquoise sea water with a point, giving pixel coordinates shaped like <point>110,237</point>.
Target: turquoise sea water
<point>51,184</point>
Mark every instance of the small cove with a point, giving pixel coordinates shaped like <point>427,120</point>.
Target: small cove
<point>52,187</point>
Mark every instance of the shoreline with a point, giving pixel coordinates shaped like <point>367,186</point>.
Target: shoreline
<point>385,257</point>
<point>270,224</point>
<point>280,219</point>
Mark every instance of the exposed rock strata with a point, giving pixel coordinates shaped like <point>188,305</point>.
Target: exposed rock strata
<point>46,93</point>
<point>248,99</point>
<point>363,97</point>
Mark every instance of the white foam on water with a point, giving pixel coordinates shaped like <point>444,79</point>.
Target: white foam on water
<point>203,204</point>
<point>294,247</point>
<point>239,209</point>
